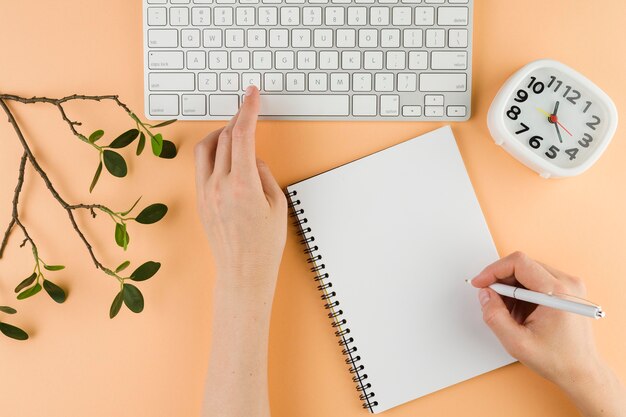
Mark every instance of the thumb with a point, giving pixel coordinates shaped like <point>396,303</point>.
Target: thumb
<point>497,317</point>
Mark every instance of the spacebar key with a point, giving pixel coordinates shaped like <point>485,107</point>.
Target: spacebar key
<point>304,105</point>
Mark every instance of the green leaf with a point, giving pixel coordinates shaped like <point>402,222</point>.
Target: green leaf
<point>124,139</point>
<point>168,151</point>
<point>133,298</point>
<point>116,305</point>
<point>121,235</point>
<point>8,310</point>
<point>145,271</point>
<point>96,177</point>
<point>54,291</point>
<point>163,124</point>
<point>122,266</point>
<point>141,144</point>
<point>114,163</point>
<point>95,136</point>
<point>54,267</point>
<point>157,144</point>
<point>26,282</point>
<point>130,209</point>
<point>13,332</point>
<point>29,292</point>
<point>152,214</point>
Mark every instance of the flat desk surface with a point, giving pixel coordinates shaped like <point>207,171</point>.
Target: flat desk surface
<point>80,363</point>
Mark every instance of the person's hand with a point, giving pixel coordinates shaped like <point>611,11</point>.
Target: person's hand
<point>242,208</point>
<point>556,344</point>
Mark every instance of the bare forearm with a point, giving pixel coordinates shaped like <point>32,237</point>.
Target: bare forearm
<point>236,382</point>
<point>597,393</point>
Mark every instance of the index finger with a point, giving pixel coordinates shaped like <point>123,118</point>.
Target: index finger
<point>517,267</point>
<point>244,130</point>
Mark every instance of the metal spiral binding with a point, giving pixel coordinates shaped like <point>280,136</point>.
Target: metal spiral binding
<point>331,303</point>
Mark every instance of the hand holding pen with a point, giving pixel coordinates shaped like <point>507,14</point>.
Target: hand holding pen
<point>556,344</point>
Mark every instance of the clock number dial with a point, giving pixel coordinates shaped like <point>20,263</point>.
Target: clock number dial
<point>514,112</point>
<point>552,152</point>
<point>587,106</point>
<point>524,129</point>
<point>592,125</point>
<point>586,140</point>
<point>571,153</point>
<point>522,96</point>
<point>537,86</point>
<point>575,97</point>
<point>535,142</point>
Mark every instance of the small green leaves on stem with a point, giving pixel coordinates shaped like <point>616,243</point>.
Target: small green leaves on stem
<point>145,271</point>
<point>141,144</point>
<point>133,298</point>
<point>157,144</point>
<point>121,235</point>
<point>117,304</point>
<point>96,177</point>
<point>152,214</point>
<point>54,291</point>
<point>114,163</point>
<point>8,310</point>
<point>95,136</point>
<point>124,139</point>
<point>131,208</point>
<point>122,267</point>
<point>54,267</point>
<point>27,282</point>
<point>29,292</point>
<point>169,150</point>
<point>13,332</point>
<point>163,124</point>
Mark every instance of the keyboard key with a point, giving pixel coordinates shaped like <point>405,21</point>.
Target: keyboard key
<point>163,104</point>
<point>295,81</point>
<point>218,60</point>
<point>201,16</point>
<point>290,16</point>
<point>157,16</point>
<point>234,38</point>
<point>433,111</point>
<point>407,81</point>
<point>162,38</point>
<point>171,60</point>
<point>312,16</point>
<point>279,38</point>
<point>357,16</point>
<point>412,38</point>
<point>444,60</point>
<point>223,104</point>
<point>383,81</point>
<point>364,105</point>
<point>443,82</point>
<point>194,105</point>
<point>362,81</point>
<point>268,16</point>
<point>435,38</point>
<point>418,60</point>
<point>373,60</point>
<point>456,111</point>
<point>212,38</point>
<point>424,16</point>
<point>190,38</point>
<point>262,60</point>
<point>273,81</point>
<point>368,38</point>
<point>250,78</point>
<point>334,16</point>
<point>229,81</point>
<point>390,38</point>
<point>411,111</point>
<point>306,60</point>
<point>396,60</point>
<point>329,60</point>
<point>346,38</point>
<point>256,38</point>
<point>379,16</point>
<point>452,16</point>
<point>240,60</point>
<point>301,38</point>
<point>457,38</point>
<point>284,60</point>
<point>223,16</point>
<point>339,81</point>
<point>433,100</point>
<point>171,81</point>
<point>196,60</point>
<point>179,16</point>
<point>401,16</point>
<point>304,105</point>
<point>323,38</point>
<point>389,105</point>
<point>207,81</point>
<point>351,60</point>
<point>245,16</point>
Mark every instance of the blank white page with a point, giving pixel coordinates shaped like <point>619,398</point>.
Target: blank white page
<point>399,231</point>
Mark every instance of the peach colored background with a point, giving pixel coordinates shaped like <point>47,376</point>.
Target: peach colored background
<point>80,363</point>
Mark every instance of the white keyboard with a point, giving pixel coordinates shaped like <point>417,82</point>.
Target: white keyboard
<point>311,59</point>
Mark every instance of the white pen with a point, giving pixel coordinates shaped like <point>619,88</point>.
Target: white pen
<point>548,300</point>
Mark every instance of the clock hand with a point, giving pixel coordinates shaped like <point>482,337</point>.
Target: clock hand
<point>558,132</point>
<point>556,108</point>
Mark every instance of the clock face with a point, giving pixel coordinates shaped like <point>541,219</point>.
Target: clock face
<point>553,114</point>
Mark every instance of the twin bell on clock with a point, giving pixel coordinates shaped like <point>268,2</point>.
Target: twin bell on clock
<point>552,119</point>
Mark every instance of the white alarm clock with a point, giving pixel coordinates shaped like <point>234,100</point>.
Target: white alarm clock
<point>552,119</point>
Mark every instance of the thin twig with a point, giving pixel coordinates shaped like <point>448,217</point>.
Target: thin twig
<point>14,213</point>
<point>31,158</point>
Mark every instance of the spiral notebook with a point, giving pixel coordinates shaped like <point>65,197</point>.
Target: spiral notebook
<point>391,238</point>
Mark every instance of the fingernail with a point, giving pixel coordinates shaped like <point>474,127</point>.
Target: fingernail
<point>483,296</point>
<point>249,90</point>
